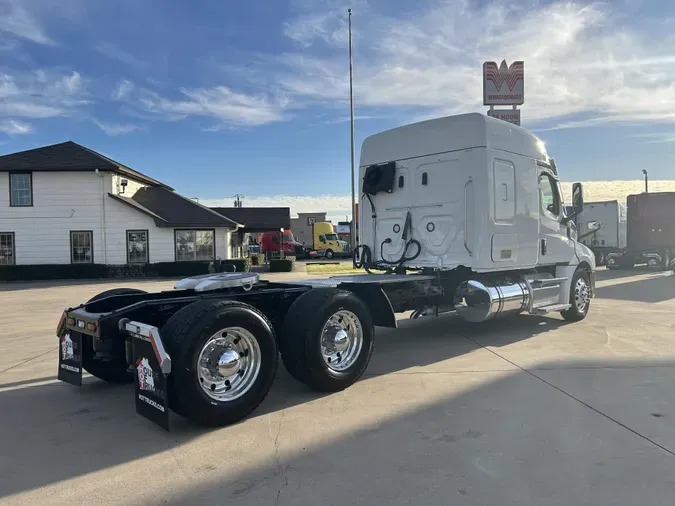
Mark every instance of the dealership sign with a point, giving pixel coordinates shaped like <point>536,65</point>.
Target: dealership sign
<point>510,115</point>
<point>503,84</point>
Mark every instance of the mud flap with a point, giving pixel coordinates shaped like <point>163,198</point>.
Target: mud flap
<point>152,366</point>
<point>70,357</point>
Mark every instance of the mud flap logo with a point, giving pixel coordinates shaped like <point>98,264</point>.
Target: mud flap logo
<point>67,352</point>
<point>151,385</point>
<point>70,358</point>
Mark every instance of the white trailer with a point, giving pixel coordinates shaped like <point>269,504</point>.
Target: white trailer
<point>461,214</point>
<point>602,227</point>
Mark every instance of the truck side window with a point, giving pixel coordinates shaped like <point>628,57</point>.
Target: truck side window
<point>322,238</point>
<point>275,239</point>
<point>400,181</point>
<point>550,200</point>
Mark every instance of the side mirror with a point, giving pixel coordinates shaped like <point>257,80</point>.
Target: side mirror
<point>577,198</point>
<point>594,225</point>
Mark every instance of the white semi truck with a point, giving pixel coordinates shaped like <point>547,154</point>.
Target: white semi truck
<point>602,227</point>
<point>461,214</point>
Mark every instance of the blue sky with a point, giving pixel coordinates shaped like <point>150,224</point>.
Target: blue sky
<point>220,97</point>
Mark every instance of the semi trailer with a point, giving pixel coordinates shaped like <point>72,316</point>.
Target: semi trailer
<point>459,214</point>
<point>602,227</point>
<point>650,237</point>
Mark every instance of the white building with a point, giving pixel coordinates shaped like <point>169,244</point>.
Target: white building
<point>68,204</point>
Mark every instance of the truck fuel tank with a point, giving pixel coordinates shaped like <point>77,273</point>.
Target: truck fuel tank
<point>478,300</point>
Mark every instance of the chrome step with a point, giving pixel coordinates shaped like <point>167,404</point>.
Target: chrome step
<point>540,282</point>
<point>551,309</point>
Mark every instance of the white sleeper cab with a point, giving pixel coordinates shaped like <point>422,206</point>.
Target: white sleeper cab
<point>461,214</point>
<point>478,196</point>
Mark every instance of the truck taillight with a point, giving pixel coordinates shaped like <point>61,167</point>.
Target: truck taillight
<point>91,326</point>
<point>70,321</point>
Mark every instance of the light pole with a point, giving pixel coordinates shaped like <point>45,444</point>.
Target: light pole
<point>644,171</point>
<point>352,228</point>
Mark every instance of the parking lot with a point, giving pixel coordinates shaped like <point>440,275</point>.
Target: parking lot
<point>524,411</point>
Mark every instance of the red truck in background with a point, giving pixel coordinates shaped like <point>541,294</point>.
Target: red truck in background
<point>271,242</point>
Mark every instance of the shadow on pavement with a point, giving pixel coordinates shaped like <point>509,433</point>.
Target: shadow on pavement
<point>604,274</point>
<point>56,432</point>
<point>515,440</point>
<point>27,382</point>
<point>658,287</point>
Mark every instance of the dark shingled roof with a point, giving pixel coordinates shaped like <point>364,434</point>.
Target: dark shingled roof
<point>258,219</point>
<point>169,209</point>
<point>69,157</point>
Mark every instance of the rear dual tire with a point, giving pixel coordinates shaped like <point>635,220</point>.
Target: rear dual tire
<point>224,358</point>
<point>327,339</point>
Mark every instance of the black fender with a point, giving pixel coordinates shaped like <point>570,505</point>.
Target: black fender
<point>376,300</point>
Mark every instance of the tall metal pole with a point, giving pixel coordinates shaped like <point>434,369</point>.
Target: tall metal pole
<point>351,118</point>
<point>644,171</point>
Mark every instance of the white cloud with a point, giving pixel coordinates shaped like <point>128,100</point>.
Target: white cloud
<point>579,58</point>
<point>40,94</point>
<point>122,89</point>
<point>329,26</point>
<point>115,129</point>
<point>116,53</point>
<point>73,82</point>
<point>227,107</point>
<point>14,127</point>
<point>655,137</point>
<point>17,22</point>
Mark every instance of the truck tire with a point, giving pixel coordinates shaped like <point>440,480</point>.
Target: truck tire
<point>327,339</point>
<point>666,260</point>
<point>112,371</point>
<point>224,358</point>
<point>599,259</point>
<point>329,254</point>
<point>580,292</point>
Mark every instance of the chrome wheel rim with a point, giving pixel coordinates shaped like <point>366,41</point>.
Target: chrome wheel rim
<point>581,294</point>
<point>341,340</point>
<point>228,364</point>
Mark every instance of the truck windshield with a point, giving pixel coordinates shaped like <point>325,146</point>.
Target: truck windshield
<point>332,237</point>
<point>289,237</point>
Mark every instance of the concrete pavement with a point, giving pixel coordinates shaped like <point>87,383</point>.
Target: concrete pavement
<point>528,411</point>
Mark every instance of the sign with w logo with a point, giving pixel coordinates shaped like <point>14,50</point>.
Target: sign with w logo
<point>503,84</point>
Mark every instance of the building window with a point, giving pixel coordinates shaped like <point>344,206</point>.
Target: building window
<point>81,247</point>
<point>195,245</point>
<point>7,248</point>
<point>137,246</point>
<point>20,189</point>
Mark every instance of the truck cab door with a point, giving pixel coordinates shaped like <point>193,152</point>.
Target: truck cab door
<point>554,244</point>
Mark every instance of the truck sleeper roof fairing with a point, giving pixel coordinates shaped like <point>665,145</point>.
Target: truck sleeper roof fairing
<point>448,134</point>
